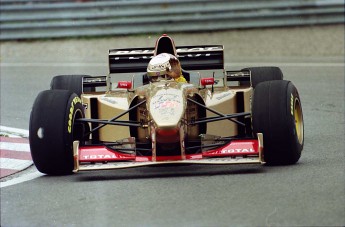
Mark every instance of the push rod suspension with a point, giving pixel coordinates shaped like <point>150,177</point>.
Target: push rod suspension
<point>117,117</point>
<point>216,112</point>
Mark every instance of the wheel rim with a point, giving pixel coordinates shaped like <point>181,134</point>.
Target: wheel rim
<point>299,121</point>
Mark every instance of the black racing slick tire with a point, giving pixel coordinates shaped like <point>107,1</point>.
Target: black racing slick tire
<point>262,74</point>
<point>53,129</point>
<point>72,83</point>
<point>277,114</point>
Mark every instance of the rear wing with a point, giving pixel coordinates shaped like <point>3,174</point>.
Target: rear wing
<point>191,57</point>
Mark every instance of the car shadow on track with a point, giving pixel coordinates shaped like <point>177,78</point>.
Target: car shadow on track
<point>170,171</point>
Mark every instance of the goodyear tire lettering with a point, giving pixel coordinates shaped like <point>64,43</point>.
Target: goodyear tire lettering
<point>71,111</point>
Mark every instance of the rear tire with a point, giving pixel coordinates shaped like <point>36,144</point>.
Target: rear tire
<point>262,74</point>
<point>277,113</point>
<point>53,129</point>
<point>73,83</point>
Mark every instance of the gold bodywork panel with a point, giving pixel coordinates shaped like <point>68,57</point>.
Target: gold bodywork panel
<point>109,105</point>
<point>224,101</point>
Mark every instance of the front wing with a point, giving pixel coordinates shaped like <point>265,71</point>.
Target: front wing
<point>246,151</point>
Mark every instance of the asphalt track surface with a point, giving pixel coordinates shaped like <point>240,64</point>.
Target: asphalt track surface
<point>310,193</point>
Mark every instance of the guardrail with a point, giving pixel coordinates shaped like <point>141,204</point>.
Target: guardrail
<point>35,19</point>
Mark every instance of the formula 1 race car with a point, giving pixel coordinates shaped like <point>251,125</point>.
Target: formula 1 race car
<point>250,116</point>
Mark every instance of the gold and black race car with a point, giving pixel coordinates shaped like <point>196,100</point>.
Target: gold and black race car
<point>250,116</point>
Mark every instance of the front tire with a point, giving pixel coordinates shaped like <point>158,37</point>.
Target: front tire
<point>53,129</point>
<point>277,113</point>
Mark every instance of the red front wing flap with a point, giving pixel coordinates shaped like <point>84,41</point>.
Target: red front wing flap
<point>234,152</point>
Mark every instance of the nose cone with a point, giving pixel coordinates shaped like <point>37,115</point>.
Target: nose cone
<point>167,107</point>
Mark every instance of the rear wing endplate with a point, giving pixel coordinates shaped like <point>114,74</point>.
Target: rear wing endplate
<point>132,60</point>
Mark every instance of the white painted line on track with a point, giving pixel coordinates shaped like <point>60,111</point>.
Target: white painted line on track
<point>88,64</point>
<point>21,179</point>
<point>53,64</point>
<point>15,146</point>
<point>293,64</point>
<point>14,132</point>
<point>15,164</point>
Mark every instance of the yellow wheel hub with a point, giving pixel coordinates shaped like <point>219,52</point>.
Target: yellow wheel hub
<point>299,121</point>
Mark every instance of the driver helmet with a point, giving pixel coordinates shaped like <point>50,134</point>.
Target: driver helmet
<point>164,65</point>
